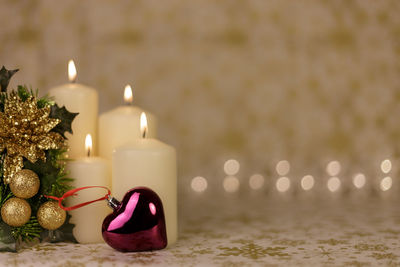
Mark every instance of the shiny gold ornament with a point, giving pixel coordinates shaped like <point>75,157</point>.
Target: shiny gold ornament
<point>25,132</point>
<point>50,215</point>
<point>25,184</point>
<point>15,212</point>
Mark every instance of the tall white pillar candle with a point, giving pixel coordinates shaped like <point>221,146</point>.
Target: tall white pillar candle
<point>120,126</point>
<point>89,171</point>
<point>150,163</point>
<point>83,100</point>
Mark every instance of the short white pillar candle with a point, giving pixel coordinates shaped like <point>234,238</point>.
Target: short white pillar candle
<point>89,171</point>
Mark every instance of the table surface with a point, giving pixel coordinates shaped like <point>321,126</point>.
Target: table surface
<point>253,232</point>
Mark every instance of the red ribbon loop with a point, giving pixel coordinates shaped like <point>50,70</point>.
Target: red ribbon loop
<point>72,193</point>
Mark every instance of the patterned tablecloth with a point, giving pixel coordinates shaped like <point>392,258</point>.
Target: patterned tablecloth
<point>259,231</point>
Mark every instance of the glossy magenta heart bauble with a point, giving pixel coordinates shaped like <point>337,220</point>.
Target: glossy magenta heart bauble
<point>137,223</point>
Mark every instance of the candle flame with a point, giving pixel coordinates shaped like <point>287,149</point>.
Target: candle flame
<point>71,71</point>
<point>143,124</point>
<point>128,96</point>
<point>88,144</point>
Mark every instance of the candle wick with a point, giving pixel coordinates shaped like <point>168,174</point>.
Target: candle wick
<point>144,132</point>
<point>72,79</point>
<point>88,152</point>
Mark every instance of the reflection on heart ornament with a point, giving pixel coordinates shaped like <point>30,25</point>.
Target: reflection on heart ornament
<point>137,223</point>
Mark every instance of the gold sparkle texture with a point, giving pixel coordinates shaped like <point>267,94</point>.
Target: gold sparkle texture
<point>15,212</point>
<point>25,132</point>
<point>51,216</point>
<point>25,184</point>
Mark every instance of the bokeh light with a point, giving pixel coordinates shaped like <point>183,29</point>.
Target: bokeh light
<point>386,183</point>
<point>231,184</point>
<point>231,167</point>
<point>199,184</point>
<point>333,168</point>
<point>386,166</point>
<point>359,180</point>
<point>282,167</point>
<point>283,184</point>
<point>256,181</point>
<point>334,184</point>
<point>307,182</point>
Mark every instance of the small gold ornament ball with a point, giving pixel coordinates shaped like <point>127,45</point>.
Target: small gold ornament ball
<point>50,215</point>
<point>25,184</point>
<point>16,212</point>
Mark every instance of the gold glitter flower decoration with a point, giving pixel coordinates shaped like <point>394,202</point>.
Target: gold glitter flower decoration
<point>25,132</point>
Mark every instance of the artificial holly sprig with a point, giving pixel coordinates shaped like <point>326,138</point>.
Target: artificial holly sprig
<point>50,169</point>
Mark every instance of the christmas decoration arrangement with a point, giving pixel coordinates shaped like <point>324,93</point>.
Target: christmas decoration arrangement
<point>32,164</point>
<point>34,172</point>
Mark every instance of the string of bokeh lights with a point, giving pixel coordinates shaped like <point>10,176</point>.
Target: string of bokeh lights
<point>283,183</point>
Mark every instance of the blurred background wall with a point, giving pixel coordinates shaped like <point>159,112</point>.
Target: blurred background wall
<point>259,81</point>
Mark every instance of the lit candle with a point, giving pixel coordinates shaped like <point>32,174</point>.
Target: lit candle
<point>120,126</point>
<point>150,163</point>
<point>89,171</point>
<point>80,99</point>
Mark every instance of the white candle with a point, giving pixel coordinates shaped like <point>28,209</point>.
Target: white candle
<point>150,163</point>
<point>89,171</point>
<point>120,126</point>
<point>83,100</point>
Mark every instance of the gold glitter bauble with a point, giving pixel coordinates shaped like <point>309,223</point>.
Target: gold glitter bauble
<point>51,216</point>
<point>25,184</point>
<point>25,132</point>
<point>16,212</point>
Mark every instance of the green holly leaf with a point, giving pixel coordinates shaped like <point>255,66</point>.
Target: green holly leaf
<point>66,230</point>
<point>62,234</point>
<point>5,77</point>
<point>66,118</point>
<point>7,242</point>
